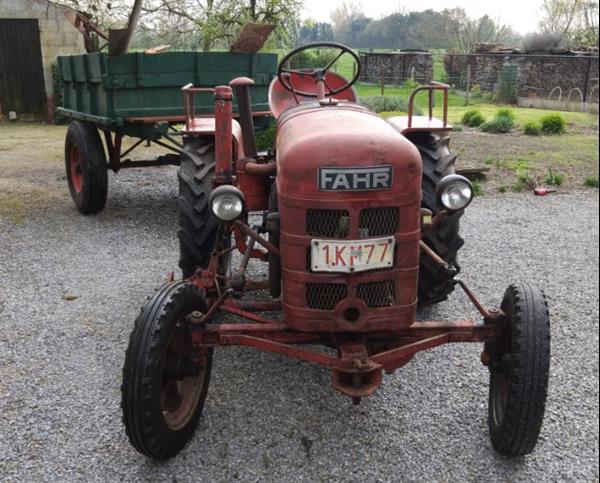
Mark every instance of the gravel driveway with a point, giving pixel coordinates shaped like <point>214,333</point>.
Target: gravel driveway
<point>267,417</point>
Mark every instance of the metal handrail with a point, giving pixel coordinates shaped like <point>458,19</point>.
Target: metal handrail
<point>189,107</point>
<point>432,86</point>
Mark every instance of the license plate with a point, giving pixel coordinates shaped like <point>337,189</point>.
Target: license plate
<point>351,255</point>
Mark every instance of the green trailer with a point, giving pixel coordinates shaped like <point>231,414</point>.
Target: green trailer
<point>139,95</point>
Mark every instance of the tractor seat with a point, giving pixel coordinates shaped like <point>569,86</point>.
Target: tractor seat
<point>280,99</point>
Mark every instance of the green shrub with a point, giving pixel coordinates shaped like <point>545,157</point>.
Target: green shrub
<point>505,112</point>
<point>591,182</point>
<point>472,118</point>
<point>57,92</point>
<point>554,179</point>
<point>410,84</point>
<point>477,188</point>
<point>500,124</point>
<point>476,90</point>
<point>524,181</point>
<point>502,189</point>
<point>265,138</point>
<point>532,128</point>
<point>387,104</point>
<point>553,124</point>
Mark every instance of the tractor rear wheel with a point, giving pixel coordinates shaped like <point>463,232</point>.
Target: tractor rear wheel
<point>519,368</point>
<point>197,225</point>
<point>165,378</point>
<point>438,161</point>
<point>85,163</point>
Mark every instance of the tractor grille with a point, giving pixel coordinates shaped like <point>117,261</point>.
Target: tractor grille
<point>335,223</point>
<point>378,222</point>
<point>377,294</point>
<point>325,296</point>
<point>328,223</point>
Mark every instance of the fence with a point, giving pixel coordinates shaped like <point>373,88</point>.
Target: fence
<point>565,81</point>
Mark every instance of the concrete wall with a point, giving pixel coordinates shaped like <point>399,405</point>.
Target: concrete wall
<point>57,35</point>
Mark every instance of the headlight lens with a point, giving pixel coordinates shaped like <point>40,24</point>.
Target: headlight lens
<point>455,192</point>
<point>227,202</point>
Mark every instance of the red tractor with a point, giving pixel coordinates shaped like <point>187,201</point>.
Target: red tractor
<point>357,218</point>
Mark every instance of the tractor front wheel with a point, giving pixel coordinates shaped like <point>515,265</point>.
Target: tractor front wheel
<point>519,367</point>
<point>197,225</point>
<point>165,378</point>
<point>85,163</point>
<point>435,284</point>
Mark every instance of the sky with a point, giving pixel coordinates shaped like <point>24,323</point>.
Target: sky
<point>521,15</point>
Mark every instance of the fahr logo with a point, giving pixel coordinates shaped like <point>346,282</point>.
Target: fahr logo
<point>355,179</point>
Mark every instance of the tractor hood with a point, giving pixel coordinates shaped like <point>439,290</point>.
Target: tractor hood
<point>343,149</point>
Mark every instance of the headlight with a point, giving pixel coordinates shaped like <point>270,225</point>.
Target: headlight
<point>227,202</point>
<point>455,192</point>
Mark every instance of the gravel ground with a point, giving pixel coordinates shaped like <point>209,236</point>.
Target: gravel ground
<point>267,417</point>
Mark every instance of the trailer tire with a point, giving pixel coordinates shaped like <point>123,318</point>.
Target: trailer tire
<point>86,167</point>
<point>165,378</point>
<point>435,284</point>
<point>197,225</point>
<point>519,369</point>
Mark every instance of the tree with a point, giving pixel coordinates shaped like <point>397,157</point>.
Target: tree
<point>201,23</point>
<point>312,31</point>
<point>463,33</point>
<point>348,23</point>
<point>218,21</point>
<point>574,22</point>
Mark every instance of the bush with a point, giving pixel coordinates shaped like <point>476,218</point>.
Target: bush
<point>387,104</point>
<point>500,124</point>
<point>532,128</point>
<point>472,118</point>
<point>553,124</point>
<point>57,92</point>
<point>505,112</point>
<point>591,182</point>
<point>265,138</point>
<point>554,179</point>
<point>410,84</point>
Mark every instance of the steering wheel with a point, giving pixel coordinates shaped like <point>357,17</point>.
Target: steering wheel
<point>318,74</point>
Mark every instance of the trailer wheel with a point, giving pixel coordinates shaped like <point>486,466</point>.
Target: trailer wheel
<point>197,225</point>
<point>438,161</point>
<point>165,379</point>
<point>85,163</point>
<point>519,367</point>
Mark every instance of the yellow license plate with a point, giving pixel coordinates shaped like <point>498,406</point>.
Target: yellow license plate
<point>351,255</point>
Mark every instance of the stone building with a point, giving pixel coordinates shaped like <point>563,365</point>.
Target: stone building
<point>32,34</point>
<point>396,67</point>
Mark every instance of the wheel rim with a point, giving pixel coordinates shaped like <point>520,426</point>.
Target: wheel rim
<point>500,388</point>
<point>500,377</point>
<point>75,169</point>
<point>182,378</point>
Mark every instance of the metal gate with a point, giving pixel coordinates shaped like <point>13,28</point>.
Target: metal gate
<point>21,74</point>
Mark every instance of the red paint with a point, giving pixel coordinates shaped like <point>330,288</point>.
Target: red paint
<point>224,139</point>
<point>75,169</point>
<point>543,191</point>
<point>368,340</point>
<point>304,144</point>
<point>281,99</point>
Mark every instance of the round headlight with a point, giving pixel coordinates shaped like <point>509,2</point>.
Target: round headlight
<point>227,202</point>
<point>455,192</point>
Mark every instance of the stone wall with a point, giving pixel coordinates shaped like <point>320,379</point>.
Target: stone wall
<point>57,35</point>
<point>397,67</point>
<point>537,74</point>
